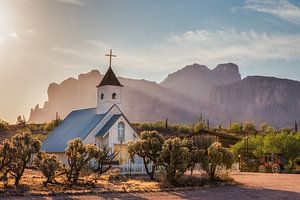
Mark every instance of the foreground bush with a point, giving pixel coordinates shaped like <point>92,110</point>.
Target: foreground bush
<point>79,156</point>
<point>217,156</point>
<point>148,148</point>
<point>175,158</point>
<point>49,165</point>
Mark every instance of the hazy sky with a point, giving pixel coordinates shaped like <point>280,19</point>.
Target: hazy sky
<point>44,41</point>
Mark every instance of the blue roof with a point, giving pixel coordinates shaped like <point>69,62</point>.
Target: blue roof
<point>78,123</point>
<point>108,125</point>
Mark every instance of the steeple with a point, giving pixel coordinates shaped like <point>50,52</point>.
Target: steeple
<point>110,79</point>
<point>109,91</point>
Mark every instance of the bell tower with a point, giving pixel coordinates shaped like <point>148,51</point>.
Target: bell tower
<point>109,91</point>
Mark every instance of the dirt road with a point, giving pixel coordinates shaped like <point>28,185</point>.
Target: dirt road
<point>254,186</point>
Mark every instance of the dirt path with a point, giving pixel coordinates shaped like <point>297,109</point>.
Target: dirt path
<point>255,186</point>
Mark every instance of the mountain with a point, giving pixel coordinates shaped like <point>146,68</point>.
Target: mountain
<point>143,100</point>
<point>259,98</point>
<point>196,81</point>
<point>219,94</point>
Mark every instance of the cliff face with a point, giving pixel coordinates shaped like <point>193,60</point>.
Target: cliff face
<point>196,81</point>
<point>261,99</point>
<point>219,94</point>
<point>143,100</point>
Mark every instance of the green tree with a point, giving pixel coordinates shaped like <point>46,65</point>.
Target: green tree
<point>235,127</point>
<point>217,156</point>
<point>287,144</point>
<point>79,155</point>
<point>24,146</point>
<point>49,165</point>
<point>249,127</point>
<point>148,148</point>
<point>201,125</point>
<point>175,158</point>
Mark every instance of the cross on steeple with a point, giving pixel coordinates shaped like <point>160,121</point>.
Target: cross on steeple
<point>110,55</point>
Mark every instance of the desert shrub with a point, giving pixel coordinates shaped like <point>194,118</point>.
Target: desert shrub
<point>3,125</point>
<point>201,125</point>
<point>79,155</point>
<point>6,156</point>
<point>24,148</point>
<point>249,127</point>
<point>148,148</point>
<point>297,161</point>
<point>235,127</point>
<point>174,158</point>
<point>217,156</point>
<point>49,165</point>
<point>196,154</point>
<point>48,127</point>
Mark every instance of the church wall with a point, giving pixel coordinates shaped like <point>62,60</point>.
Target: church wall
<point>91,139</point>
<point>113,139</point>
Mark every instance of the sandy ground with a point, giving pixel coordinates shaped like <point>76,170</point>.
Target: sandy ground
<point>254,186</point>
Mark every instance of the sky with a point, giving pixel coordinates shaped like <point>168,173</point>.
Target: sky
<point>45,41</point>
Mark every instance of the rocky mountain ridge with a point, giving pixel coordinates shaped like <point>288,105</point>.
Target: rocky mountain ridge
<point>219,94</point>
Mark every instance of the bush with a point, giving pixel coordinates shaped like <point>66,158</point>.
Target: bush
<point>49,165</point>
<point>217,156</point>
<point>3,125</point>
<point>149,148</point>
<point>24,148</point>
<point>175,158</point>
<point>79,155</point>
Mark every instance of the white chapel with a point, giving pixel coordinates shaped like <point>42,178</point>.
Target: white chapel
<point>105,125</point>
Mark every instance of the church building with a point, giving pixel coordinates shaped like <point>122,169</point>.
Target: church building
<point>105,125</point>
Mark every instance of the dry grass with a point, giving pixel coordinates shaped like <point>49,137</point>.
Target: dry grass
<point>32,184</point>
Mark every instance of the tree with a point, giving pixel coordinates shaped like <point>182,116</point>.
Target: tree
<point>175,158</point>
<point>79,155</point>
<point>24,146</point>
<point>148,148</point>
<point>235,127</point>
<point>201,125</point>
<point>217,156</point>
<point>249,127</point>
<point>49,165</point>
<point>287,144</point>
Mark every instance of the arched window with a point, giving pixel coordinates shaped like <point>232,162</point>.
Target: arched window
<point>121,131</point>
<point>102,96</point>
<point>113,96</point>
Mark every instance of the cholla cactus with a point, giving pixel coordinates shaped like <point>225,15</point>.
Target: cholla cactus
<point>49,165</point>
<point>79,156</point>
<point>175,158</point>
<point>24,148</point>
<point>148,148</point>
<point>217,156</point>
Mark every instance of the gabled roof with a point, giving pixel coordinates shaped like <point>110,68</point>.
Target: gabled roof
<point>108,125</point>
<point>110,79</point>
<point>78,123</point>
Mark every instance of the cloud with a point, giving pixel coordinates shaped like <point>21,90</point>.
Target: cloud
<point>77,2</point>
<point>202,46</point>
<point>279,8</point>
<point>7,34</point>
